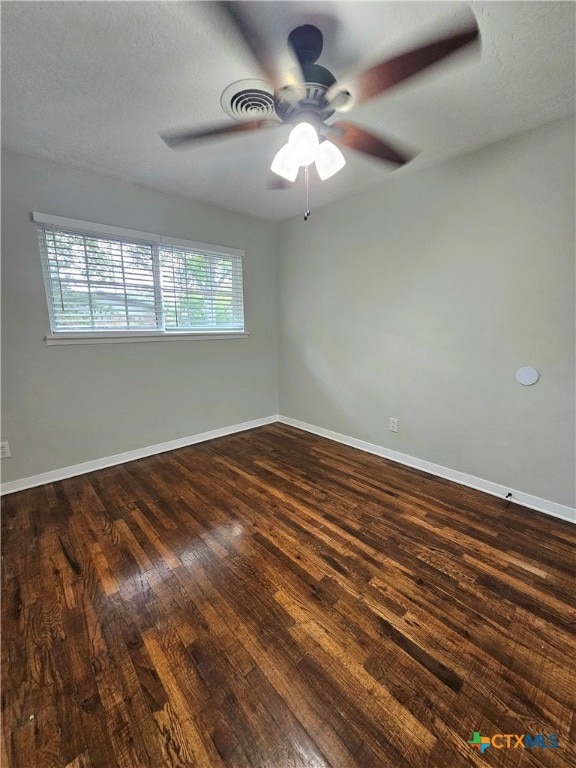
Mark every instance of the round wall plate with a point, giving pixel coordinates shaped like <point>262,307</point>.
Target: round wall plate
<point>527,376</point>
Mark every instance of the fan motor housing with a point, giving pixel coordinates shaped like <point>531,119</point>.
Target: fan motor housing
<point>310,95</point>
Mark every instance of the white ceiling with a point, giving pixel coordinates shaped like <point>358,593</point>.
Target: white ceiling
<point>92,84</point>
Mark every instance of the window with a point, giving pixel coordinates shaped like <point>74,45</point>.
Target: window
<point>201,289</point>
<point>103,280</point>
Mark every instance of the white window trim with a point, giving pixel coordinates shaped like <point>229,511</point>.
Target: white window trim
<point>124,337</point>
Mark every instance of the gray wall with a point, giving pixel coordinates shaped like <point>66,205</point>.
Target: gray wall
<point>66,405</point>
<point>419,299</point>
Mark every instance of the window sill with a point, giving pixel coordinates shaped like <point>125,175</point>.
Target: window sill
<point>66,339</point>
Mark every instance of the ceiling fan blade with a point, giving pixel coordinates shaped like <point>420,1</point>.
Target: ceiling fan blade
<point>350,135</point>
<point>179,139</point>
<point>389,73</point>
<point>280,68</point>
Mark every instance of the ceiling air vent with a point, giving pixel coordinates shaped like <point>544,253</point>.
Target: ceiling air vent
<point>248,100</point>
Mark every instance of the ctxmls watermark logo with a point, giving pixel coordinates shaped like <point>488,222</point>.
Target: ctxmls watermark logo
<point>514,741</point>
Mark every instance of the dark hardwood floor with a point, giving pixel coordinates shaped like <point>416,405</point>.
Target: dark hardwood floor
<point>271,599</point>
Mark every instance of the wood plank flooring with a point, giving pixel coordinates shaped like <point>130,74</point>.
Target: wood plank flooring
<point>275,600</point>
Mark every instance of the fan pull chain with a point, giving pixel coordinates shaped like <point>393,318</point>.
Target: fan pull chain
<point>307,212</point>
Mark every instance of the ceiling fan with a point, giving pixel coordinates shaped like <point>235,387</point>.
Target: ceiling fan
<point>308,95</point>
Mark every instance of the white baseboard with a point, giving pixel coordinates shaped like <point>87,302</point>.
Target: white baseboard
<point>122,458</point>
<point>494,489</point>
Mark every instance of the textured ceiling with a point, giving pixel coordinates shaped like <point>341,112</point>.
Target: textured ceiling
<point>92,84</point>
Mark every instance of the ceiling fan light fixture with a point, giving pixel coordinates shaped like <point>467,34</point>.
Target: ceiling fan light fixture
<point>311,95</point>
<point>329,160</point>
<point>303,148</point>
<point>284,164</point>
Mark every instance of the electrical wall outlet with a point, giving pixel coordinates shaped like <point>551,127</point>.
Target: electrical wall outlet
<point>393,427</point>
<point>4,450</point>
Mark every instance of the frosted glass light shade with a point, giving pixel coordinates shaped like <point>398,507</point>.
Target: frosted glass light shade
<point>284,164</point>
<point>304,148</point>
<point>329,160</point>
<point>303,142</point>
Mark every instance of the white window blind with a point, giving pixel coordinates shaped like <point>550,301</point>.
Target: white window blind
<point>98,282</point>
<point>201,289</point>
